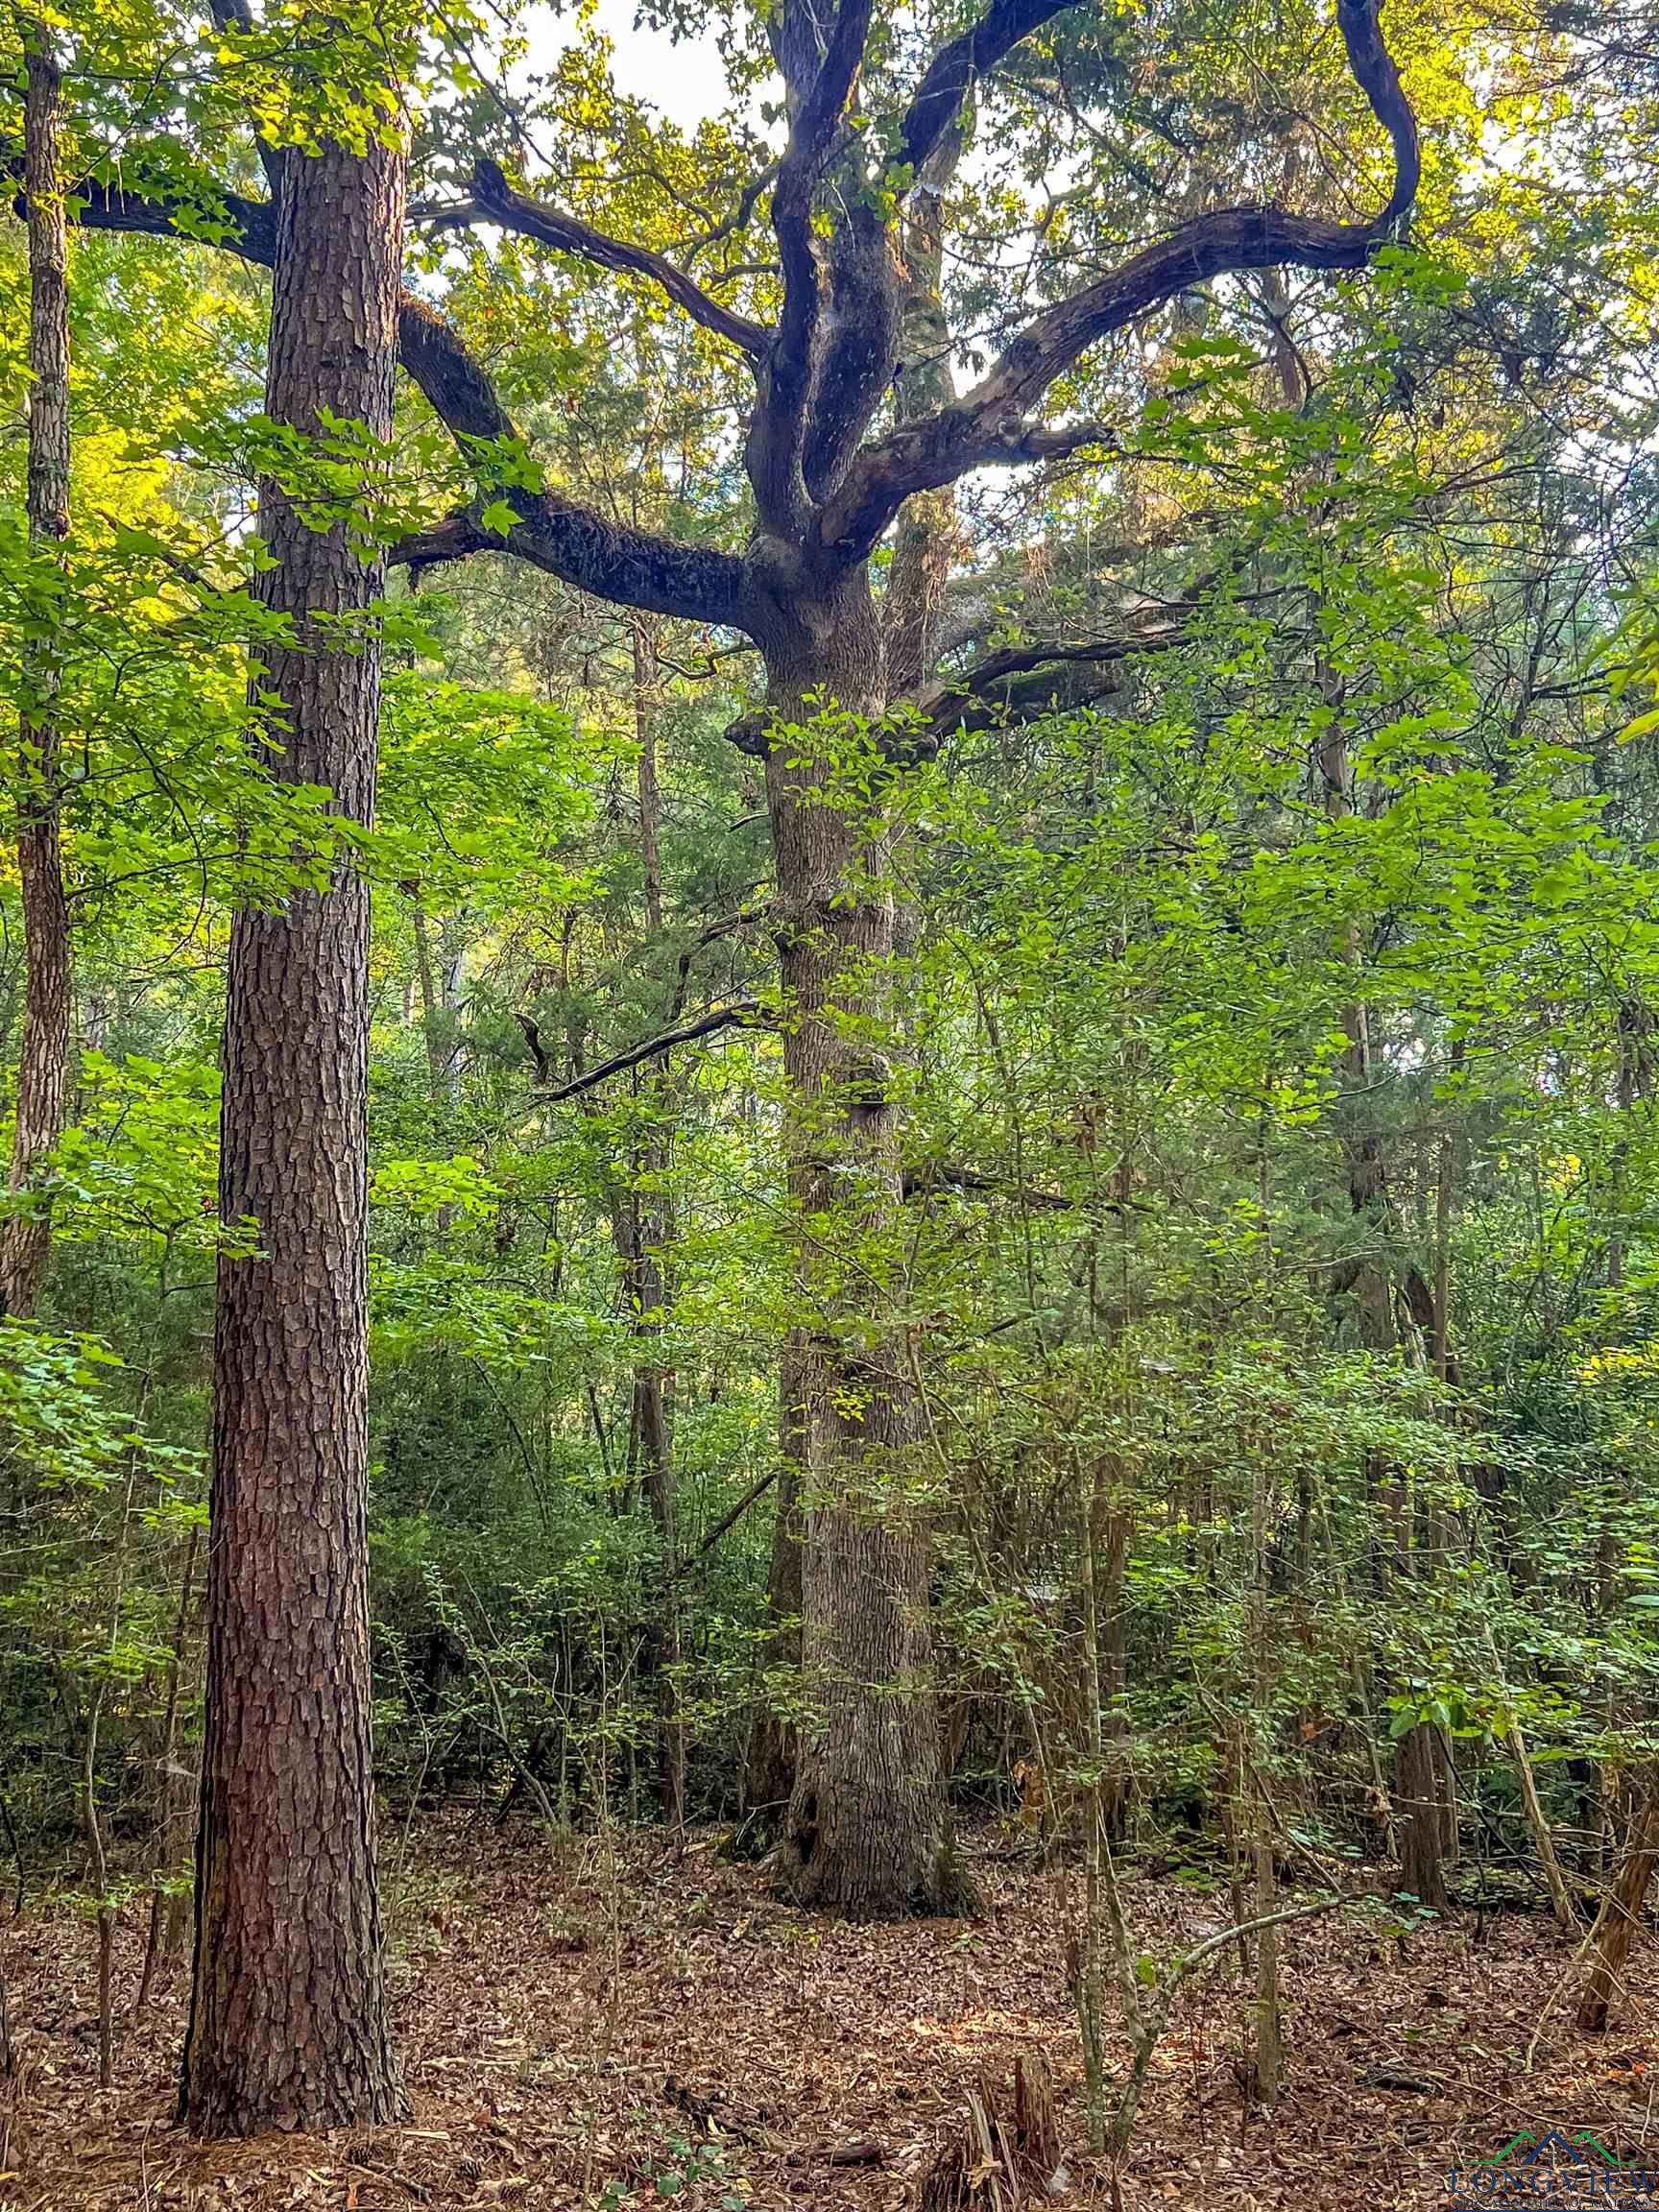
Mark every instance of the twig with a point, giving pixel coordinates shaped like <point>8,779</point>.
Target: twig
<point>388,2174</point>
<point>857,2151</point>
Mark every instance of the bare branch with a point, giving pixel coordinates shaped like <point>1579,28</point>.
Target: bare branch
<point>497,201</point>
<point>741,1013</point>
<point>1029,682</point>
<point>942,1175</point>
<point>756,1491</point>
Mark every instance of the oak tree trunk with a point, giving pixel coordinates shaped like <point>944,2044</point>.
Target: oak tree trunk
<point>43,1068</point>
<point>769,1764</point>
<point>288,2023</point>
<point>866,1826</point>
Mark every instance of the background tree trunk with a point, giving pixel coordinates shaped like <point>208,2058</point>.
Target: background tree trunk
<point>288,2023</point>
<point>1419,1802</point>
<point>1620,1915</point>
<point>43,1068</point>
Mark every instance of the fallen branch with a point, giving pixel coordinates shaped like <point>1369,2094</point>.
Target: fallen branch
<point>388,2174</point>
<point>708,2112</point>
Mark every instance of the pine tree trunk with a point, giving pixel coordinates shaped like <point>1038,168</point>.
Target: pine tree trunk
<point>43,1068</point>
<point>288,2023</point>
<point>866,1828</point>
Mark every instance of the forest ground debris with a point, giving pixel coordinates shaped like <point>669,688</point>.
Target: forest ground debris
<point>816,2034</point>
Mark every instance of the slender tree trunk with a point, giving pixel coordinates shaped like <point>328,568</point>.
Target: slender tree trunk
<point>166,1936</point>
<point>651,1236</point>
<point>866,1829</point>
<point>1090,1974</point>
<point>43,1070</point>
<point>640,1233</point>
<point>1267,2056</point>
<point>1418,1802</point>
<point>288,2023</point>
<point>1543,1841</point>
<point>647,702</point>
<point>438,1057</point>
<point>1621,1915</point>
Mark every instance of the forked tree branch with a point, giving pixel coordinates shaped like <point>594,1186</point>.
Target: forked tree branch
<point>952,74</point>
<point>497,201</point>
<point>991,423</point>
<point>1025,684</point>
<point>742,1013</point>
<point>819,97</point>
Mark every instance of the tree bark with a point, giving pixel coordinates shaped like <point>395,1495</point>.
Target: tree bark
<point>288,2023</point>
<point>866,1828</point>
<point>1418,1799</point>
<point>1620,1915</point>
<point>43,1068</point>
<point>769,1764</point>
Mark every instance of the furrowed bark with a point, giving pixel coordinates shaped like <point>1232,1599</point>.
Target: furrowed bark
<point>288,2024</point>
<point>43,1068</point>
<point>866,1826</point>
<point>769,1764</point>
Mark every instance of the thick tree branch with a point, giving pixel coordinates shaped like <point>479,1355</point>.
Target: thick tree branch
<point>990,423</point>
<point>951,75</point>
<point>629,567</point>
<point>497,201</point>
<point>1029,682</point>
<point>818,97</point>
<point>239,225</point>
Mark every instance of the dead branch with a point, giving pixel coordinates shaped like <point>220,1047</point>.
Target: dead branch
<point>742,1012</point>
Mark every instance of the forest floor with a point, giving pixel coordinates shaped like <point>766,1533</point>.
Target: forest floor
<point>555,1998</point>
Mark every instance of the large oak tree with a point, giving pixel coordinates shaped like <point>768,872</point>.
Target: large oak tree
<point>854,433</point>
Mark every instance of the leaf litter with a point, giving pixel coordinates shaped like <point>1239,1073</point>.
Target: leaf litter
<point>604,2022</point>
